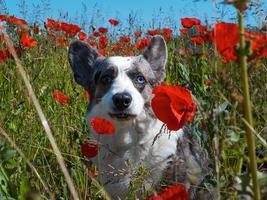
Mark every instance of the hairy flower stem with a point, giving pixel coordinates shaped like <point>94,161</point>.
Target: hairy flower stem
<point>247,106</point>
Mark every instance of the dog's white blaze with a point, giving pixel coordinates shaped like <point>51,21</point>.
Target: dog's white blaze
<point>122,62</point>
<point>123,83</point>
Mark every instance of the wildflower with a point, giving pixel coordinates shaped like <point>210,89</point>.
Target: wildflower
<point>102,126</point>
<point>96,34</point>
<point>14,21</point>
<point>4,55</point>
<point>197,40</point>
<point>173,105</point>
<point>102,43</point>
<point>102,52</point>
<point>27,41</point>
<point>89,149</point>
<point>117,48</point>
<point>113,22</point>
<point>102,30</point>
<point>153,32</point>
<point>167,31</point>
<point>143,43</point>
<point>60,97</point>
<point>92,43</point>
<point>201,29</point>
<point>125,39</point>
<point>36,29</point>
<point>137,34</point>
<point>82,36</point>
<point>70,29</point>
<point>184,31</point>
<point>189,22</point>
<point>177,192</point>
<point>226,36</point>
<point>60,41</point>
<point>3,18</point>
<point>53,24</point>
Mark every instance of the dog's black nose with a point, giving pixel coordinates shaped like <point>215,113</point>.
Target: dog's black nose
<point>122,100</point>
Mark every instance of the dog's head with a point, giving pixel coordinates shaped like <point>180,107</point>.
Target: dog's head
<point>120,87</point>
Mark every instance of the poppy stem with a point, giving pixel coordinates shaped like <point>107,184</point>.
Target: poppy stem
<point>247,105</point>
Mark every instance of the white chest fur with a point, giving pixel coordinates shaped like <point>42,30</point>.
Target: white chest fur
<point>122,153</point>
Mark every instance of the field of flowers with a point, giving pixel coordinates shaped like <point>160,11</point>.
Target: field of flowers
<point>202,59</point>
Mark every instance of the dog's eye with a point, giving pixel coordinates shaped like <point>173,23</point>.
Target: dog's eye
<point>106,79</point>
<point>140,79</point>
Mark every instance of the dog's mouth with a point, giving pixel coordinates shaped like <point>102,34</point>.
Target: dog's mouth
<point>122,116</point>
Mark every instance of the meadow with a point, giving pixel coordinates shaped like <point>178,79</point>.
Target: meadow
<point>196,61</point>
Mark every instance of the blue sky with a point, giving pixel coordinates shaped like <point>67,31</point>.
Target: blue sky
<point>144,10</point>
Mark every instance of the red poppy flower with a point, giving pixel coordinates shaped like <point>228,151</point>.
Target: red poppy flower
<point>27,41</point>
<point>167,31</point>
<point>89,149</point>
<point>82,36</point>
<point>197,40</point>
<point>184,31</point>
<point>201,29</point>
<point>3,18</point>
<point>125,39</point>
<point>70,29</point>
<point>143,43</point>
<point>102,52</point>
<point>173,105</point>
<point>86,95</point>
<point>259,44</point>
<point>60,41</point>
<point>102,126</point>
<point>113,22</point>
<point>102,30</point>
<point>137,34</point>
<point>92,43</point>
<point>14,21</point>
<point>226,36</point>
<point>117,48</point>
<point>61,97</point>
<point>177,192</point>
<point>53,24</point>
<point>102,43</point>
<point>96,34</point>
<point>128,52</point>
<point>153,32</point>
<point>4,55</point>
<point>189,22</point>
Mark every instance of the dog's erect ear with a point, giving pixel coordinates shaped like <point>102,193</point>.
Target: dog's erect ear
<point>156,55</point>
<point>82,58</point>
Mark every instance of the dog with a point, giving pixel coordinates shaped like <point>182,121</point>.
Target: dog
<point>121,92</point>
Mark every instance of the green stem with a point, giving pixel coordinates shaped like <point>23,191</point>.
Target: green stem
<point>247,106</point>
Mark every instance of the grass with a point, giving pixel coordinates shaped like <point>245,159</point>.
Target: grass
<point>218,124</point>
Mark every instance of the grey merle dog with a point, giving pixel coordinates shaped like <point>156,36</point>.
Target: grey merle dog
<point>120,89</point>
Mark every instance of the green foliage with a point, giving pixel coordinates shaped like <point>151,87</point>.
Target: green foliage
<point>216,89</point>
